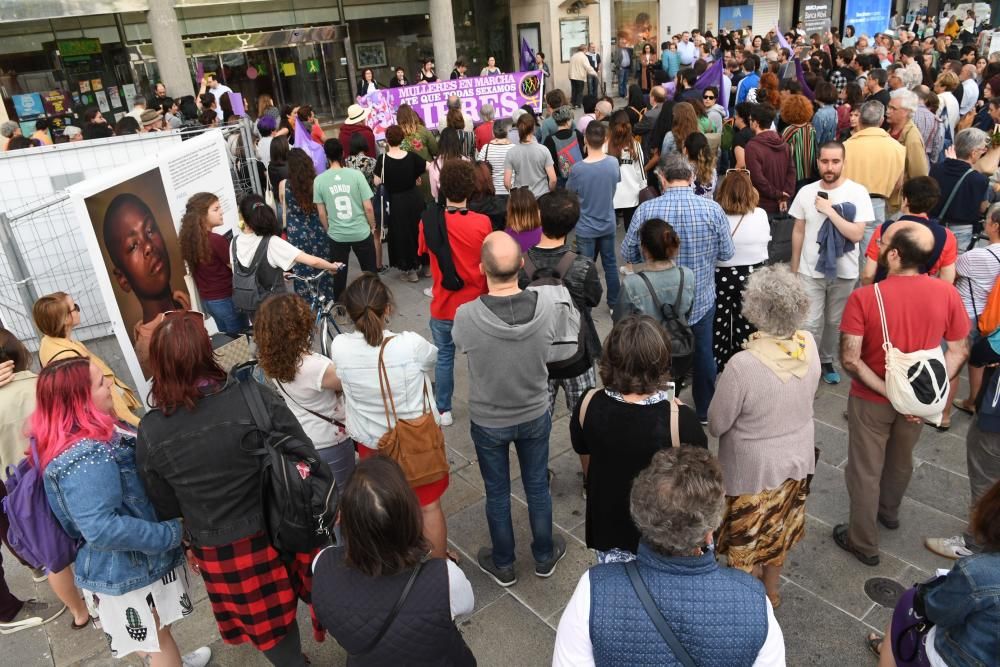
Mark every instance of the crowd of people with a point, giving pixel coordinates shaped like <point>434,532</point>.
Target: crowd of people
<point>877,159</point>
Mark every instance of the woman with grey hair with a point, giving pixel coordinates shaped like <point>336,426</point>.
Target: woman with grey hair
<point>676,502</point>
<point>766,446</point>
<point>495,152</point>
<point>8,130</point>
<point>561,144</point>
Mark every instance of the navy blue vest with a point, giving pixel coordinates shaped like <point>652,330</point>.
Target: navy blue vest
<point>940,238</point>
<point>718,614</point>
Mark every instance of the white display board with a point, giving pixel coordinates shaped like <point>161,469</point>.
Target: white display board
<point>129,219</point>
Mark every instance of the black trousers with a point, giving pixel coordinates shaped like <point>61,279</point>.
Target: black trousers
<point>341,252</point>
<point>576,92</point>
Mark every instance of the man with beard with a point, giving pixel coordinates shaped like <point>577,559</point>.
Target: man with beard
<point>920,311</point>
<point>830,217</point>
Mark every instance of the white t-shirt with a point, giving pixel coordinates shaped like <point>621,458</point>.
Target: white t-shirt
<point>574,648</point>
<point>750,238</point>
<point>280,253</point>
<point>217,93</point>
<point>804,208</point>
<point>306,393</point>
<point>460,596</point>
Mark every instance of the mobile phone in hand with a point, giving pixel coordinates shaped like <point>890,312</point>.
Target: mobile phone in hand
<point>822,194</point>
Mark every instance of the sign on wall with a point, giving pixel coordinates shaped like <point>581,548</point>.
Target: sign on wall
<point>868,16</point>
<point>816,16</point>
<point>734,18</point>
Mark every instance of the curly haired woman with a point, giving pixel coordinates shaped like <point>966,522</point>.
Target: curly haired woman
<point>800,136</point>
<point>308,381</point>
<point>207,257</point>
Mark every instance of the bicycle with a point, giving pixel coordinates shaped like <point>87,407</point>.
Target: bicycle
<point>327,311</point>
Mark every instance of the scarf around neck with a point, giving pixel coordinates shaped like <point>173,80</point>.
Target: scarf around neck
<point>786,357</point>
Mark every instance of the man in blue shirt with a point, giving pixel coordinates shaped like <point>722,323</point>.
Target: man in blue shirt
<point>621,60</point>
<point>750,79</point>
<point>703,229</point>
<point>686,49</point>
<point>595,180</point>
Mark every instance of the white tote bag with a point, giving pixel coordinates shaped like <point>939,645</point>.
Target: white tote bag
<point>916,383</point>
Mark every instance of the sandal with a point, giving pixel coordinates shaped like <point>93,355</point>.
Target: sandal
<point>775,600</point>
<point>453,556</point>
<point>941,428</point>
<point>965,406</point>
<point>874,642</point>
<point>74,626</point>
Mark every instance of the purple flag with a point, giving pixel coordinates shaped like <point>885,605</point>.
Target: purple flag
<point>237,101</point>
<point>711,77</point>
<point>305,141</point>
<point>800,75</point>
<point>527,56</point>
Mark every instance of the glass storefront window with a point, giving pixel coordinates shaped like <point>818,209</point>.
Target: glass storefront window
<point>482,29</point>
<point>635,23</point>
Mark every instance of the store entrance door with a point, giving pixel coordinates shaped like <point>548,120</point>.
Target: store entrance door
<point>300,77</point>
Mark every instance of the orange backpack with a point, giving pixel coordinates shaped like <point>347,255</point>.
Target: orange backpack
<point>989,319</point>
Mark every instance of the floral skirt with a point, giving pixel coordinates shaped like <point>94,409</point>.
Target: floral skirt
<point>760,529</point>
<point>730,329</point>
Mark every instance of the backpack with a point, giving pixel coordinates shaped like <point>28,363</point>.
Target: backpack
<point>676,324</point>
<point>568,153</point>
<point>728,134</point>
<point>989,319</point>
<point>944,132</point>
<point>916,383</point>
<point>570,332</point>
<point>35,533</point>
<point>299,496</point>
<point>251,284</point>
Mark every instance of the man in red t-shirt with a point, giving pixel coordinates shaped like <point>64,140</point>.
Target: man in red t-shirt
<point>464,232</point>
<point>920,195</point>
<point>920,311</point>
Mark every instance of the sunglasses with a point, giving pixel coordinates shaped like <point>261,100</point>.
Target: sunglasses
<point>195,315</point>
<point>708,97</point>
<point>75,308</point>
<point>738,171</point>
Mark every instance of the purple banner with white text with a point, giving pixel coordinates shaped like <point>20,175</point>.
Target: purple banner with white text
<point>504,92</point>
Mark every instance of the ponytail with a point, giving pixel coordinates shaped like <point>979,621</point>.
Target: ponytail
<point>367,301</point>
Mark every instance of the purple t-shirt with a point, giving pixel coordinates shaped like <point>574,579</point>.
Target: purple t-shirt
<point>526,240</point>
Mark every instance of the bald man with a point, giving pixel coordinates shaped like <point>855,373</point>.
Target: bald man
<point>508,336</point>
<point>920,311</point>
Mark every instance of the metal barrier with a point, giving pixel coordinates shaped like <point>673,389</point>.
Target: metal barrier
<point>44,252</point>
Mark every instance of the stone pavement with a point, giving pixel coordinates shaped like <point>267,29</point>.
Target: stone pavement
<point>825,615</point>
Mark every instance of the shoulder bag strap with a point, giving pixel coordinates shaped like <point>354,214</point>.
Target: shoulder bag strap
<point>383,384</point>
<point>258,413</point>
<point>675,427</point>
<point>329,420</point>
<point>886,344</point>
<point>656,617</point>
<point>529,267</point>
<point>954,191</point>
<point>585,402</point>
<point>565,264</point>
<point>733,233</point>
<point>680,296</point>
<point>652,292</point>
<point>395,610</point>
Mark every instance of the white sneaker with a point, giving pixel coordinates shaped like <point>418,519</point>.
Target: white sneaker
<point>949,547</point>
<point>428,292</point>
<point>197,658</point>
<point>447,419</point>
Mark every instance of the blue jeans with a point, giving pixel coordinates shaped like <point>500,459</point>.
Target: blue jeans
<point>225,315</point>
<point>606,246</point>
<point>531,440</point>
<point>963,236</point>
<point>444,369</point>
<point>623,73</point>
<point>704,369</point>
<point>878,207</point>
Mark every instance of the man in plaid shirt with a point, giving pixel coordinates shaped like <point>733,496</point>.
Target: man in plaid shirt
<point>705,237</point>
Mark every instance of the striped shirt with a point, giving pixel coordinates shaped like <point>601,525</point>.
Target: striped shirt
<point>704,233</point>
<point>495,154</point>
<point>802,141</point>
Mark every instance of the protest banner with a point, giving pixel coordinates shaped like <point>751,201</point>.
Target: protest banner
<point>504,92</point>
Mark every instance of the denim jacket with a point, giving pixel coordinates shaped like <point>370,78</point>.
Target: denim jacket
<point>965,609</point>
<point>96,494</point>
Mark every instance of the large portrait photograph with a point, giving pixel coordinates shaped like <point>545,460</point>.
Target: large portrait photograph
<point>141,253</point>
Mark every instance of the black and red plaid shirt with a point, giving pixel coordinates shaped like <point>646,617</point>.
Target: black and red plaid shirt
<point>254,593</point>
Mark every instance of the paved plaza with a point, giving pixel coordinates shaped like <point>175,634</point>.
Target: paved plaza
<point>825,613</point>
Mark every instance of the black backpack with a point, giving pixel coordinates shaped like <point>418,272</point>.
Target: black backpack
<point>299,496</point>
<point>556,276</point>
<point>251,284</point>
<point>676,324</point>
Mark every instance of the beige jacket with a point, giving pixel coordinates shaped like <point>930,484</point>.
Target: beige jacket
<point>580,67</point>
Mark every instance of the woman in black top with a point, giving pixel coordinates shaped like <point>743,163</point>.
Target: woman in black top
<point>617,429</point>
<point>402,175</point>
<point>277,169</point>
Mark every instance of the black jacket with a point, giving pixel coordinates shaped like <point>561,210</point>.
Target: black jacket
<point>194,464</point>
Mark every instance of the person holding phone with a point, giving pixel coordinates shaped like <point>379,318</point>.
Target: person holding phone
<point>617,430</point>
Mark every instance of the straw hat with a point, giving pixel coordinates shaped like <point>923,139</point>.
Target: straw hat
<point>356,114</point>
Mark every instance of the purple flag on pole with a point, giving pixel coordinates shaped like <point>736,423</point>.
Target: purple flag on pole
<point>527,56</point>
<point>305,141</point>
<point>237,101</point>
<point>710,77</point>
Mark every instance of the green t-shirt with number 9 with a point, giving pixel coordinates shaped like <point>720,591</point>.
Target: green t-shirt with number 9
<point>343,192</point>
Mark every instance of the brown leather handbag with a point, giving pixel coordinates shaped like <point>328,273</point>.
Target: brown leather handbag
<point>417,444</point>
